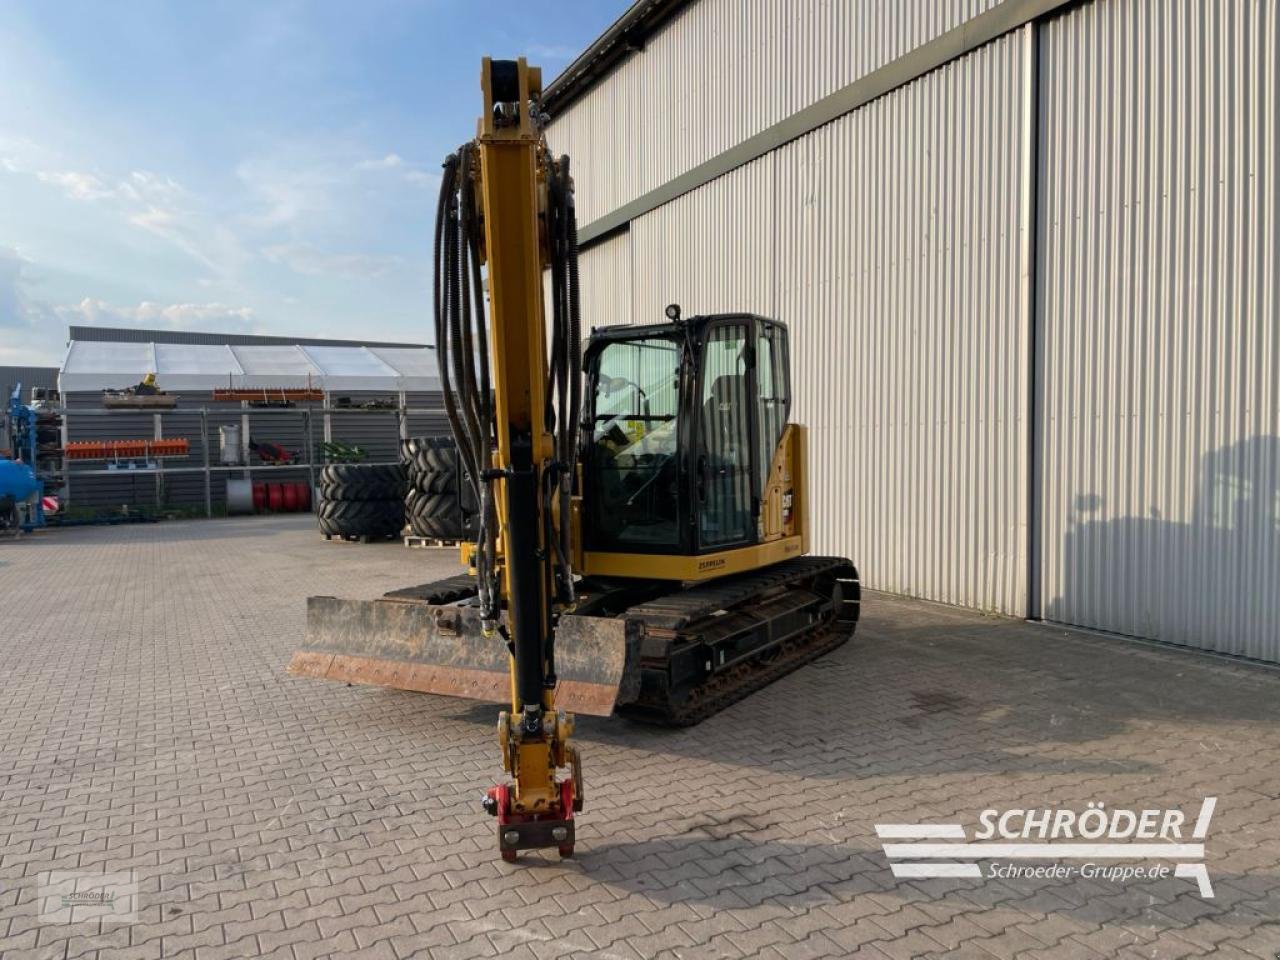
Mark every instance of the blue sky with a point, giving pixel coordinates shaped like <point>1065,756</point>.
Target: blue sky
<point>242,166</point>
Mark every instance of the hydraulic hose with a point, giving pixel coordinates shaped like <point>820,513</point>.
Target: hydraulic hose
<point>564,374</point>
<point>462,354</point>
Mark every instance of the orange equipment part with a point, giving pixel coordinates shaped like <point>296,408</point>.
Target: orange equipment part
<point>126,449</point>
<point>174,447</point>
<point>86,450</point>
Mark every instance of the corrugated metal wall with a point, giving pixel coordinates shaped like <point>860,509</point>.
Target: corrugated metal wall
<point>898,270</point>
<point>606,283</point>
<point>890,241</point>
<point>780,57</point>
<point>1032,293</point>
<point>1158,258</point>
<point>432,424</point>
<point>711,250</point>
<point>44,377</point>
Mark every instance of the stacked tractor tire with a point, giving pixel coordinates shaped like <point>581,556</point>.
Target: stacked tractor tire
<point>361,501</point>
<point>439,504</point>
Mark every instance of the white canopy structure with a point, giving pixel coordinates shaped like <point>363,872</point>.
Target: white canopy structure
<point>100,365</point>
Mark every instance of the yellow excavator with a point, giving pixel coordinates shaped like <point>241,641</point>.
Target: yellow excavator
<point>642,549</point>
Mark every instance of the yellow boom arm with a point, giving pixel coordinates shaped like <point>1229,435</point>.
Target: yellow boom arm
<point>507,205</point>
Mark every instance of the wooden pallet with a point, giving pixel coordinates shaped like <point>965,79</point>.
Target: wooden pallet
<point>363,538</point>
<point>422,542</point>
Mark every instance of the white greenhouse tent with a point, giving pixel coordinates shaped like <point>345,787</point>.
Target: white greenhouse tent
<point>371,396</point>
<point>101,365</point>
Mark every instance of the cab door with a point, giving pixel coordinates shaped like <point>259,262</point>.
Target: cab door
<point>723,462</point>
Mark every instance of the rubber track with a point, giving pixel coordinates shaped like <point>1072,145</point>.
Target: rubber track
<point>723,689</point>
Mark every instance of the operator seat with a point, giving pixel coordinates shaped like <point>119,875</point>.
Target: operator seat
<point>724,418</point>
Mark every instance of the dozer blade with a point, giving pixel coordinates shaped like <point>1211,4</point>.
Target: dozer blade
<point>439,648</point>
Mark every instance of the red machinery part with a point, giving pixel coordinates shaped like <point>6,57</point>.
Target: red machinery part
<point>501,797</point>
<point>259,497</point>
<point>289,497</point>
<point>275,498</point>
<point>304,496</point>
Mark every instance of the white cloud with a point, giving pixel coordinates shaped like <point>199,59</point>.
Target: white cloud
<point>157,204</point>
<point>34,330</point>
<point>306,258</point>
<point>172,316</point>
<point>21,155</point>
<point>10,274</point>
<point>77,185</point>
<point>284,192</point>
<point>390,162</point>
<point>29,329</point>
<point>409,172</point>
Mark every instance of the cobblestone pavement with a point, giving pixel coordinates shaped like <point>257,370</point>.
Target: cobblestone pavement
<point>147,725</point>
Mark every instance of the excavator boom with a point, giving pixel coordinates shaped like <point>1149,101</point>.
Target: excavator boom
<point>644,550</point>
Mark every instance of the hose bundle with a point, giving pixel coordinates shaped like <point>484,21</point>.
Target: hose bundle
<point>564,386</point>
<point>462,354</point>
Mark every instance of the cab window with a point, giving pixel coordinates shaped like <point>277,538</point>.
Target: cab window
<point>633,499</point>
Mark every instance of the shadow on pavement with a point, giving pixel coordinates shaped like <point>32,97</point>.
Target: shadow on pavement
<point>924,689</point>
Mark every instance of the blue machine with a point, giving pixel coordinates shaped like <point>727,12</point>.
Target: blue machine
<point>21,492</point>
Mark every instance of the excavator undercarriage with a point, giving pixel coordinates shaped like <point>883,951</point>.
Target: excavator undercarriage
<point>656,651</point>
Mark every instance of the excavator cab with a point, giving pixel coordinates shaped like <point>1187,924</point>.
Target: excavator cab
<point>690,468</point>
<point>681,426</point>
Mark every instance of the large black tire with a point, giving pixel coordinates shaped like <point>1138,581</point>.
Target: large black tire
<point>434,482</point>
<point>391,473</point>
<point>361,509</point>
<point>362,490</point>
<point>432,462</point>
<point>434,529</point>
<point>438,516</point>
<point>361,518</point>
<point>440,503</point>
<point>359,481</point>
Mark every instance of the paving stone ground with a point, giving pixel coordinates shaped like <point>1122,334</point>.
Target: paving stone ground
<point>147,725</point>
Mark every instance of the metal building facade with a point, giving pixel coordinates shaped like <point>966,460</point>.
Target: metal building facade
<point>724,70</point>
<point>1031,292</point>
<point>1161,347</point>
